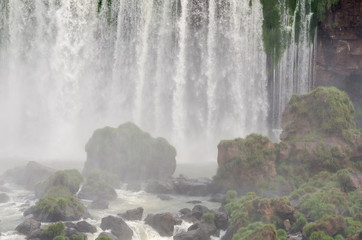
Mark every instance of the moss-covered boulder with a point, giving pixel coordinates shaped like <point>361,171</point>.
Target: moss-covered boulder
<point>54,209</point>
<point>61,180</point>
<point>130,153</point>
<point>99,185</point>
<point>245,163</point>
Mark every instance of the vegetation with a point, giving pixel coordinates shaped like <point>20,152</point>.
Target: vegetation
<point>61,183</point>
<point>255,231</point>
<point>55,229</point>
<point>103,238</point>
<point>208,217</point>
<point>253,151</point>
<point>100,184</point>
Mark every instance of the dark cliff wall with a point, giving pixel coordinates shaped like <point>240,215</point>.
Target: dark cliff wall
<point>339,51</point>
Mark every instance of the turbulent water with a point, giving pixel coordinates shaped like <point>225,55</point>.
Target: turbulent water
<point>11,214</point>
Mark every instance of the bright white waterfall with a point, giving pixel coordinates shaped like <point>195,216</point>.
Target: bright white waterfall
<point>294,73</point>
<point>191,71</point>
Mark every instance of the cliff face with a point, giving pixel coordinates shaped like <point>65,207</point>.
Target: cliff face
<point>339,51</point>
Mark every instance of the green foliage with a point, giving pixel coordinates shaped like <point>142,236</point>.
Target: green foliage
<point>103,238</point>
<point>253,151</point>
<point>327,111</point>
<point>352,227</point>
<point>339,237</point>
<point>230,196</point>
<point>336,222</point>
<point>100,183</point>
<point>77,237</point>
<point>299,224</point>
<point>255,231</point>
<point>208,217</point>
<point>60,184</point>
<point>320,235</point>
<point>61,238</point>
<point>55,229</point>
<point>272,32</point>
<point>50,205</point>
<point>281,233</point>
<point>319,204</point>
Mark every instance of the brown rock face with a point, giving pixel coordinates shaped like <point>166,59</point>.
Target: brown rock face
<point>339,51</point>
<point>340,43</point>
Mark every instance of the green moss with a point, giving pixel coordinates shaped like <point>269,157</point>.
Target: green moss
<point>103,238</point>
<point>230,196</point>
<point>61,238</point>
<point>252,152</point>
<point>55,229</point>
<point>299,224</point>
<point>327,111</point>
<point>320,235</point>
<point>336,222</point>
<point>77,237</point>
<point>208,217</point>
<point>255,231</point>
<point>61,182</point>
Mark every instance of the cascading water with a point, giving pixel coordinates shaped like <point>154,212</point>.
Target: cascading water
<point>191,71</point>
<point>294,72</point>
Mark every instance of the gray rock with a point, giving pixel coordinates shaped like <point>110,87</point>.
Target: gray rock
<point>107,234</point>
<point>197,234</point>
<point>28,226</point>
<point>163,223</point>
<point>198,211</point>
<point>85,227</point>
<point>118,227</point>
<point>133,214</point>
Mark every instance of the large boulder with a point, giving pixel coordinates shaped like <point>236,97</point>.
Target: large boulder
<point>133,214</point>
<point>130,153</point>
<point>28,226</point>
<point>58,209</point>
<point>29,175</point>
<point>85,227</point>
<point>69,180</point>
<point>196,234</point>
<point>245,163</point>
<point>118,227</point>
<point>163,223</point>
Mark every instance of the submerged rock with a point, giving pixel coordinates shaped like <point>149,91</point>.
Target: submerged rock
<point>118,227</point>
<point>85,227</point>
<point>130,153</point>
<point>163,223</point>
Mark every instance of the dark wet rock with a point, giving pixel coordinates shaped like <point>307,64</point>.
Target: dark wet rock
<point>109,235</point>
<point>70,224</point>
<point>4,198</point>
<point>163,223</point>
<point>194,202</point>
<point>70,232</point>
<point>198,211</point>
<point>99,204</point>
<point>164,197</point>
<point>117,150</point>
<point>38,234</point>
<point>28,175</point>
<point>28,226</point>
<point>133,214</point>
<point>192,187</point>
<point>185,211</point>
<point>197,234</point>
<point>160,187</point>
<point>85,227</point>
<point>118,227</point>
<point>208,229</point>
<point>221,220</point>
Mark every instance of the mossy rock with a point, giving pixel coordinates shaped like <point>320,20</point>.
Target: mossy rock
<point>58,209</point>
<point>129,153</point>
<point>256,231</point>
<point>245,163</point>
<point>99,185</point>
<point>323,112</point>
<point>62,180</point>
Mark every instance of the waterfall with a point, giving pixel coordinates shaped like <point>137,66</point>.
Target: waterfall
<point>294,73</point>
<point>193,72</point>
